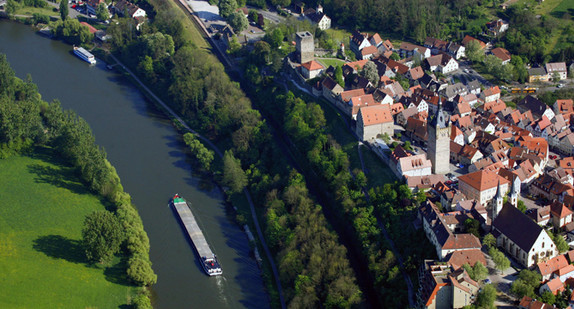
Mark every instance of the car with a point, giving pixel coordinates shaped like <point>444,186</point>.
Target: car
<point>465,70</point>
<point>560,85</point>
<point>487,281</point>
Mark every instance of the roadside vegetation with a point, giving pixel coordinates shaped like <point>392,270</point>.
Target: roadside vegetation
<point>28,125</point>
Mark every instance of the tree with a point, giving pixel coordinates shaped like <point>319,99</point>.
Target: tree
<point>560,243</point>
<point>489,241</point>
<point>102,236</point>
<point>520,289</point>
<point>64,9</point>
<point>140,271</point>
<point>238,21</point>
<point>11,7</point>
<point>499,259</point>
<point>472,226</point>
<point>371,73</point>
<point>479,271</point>
<point>199,151</point>
<point>531,278</point>
<point>486,297</point>
<point>520,205</point>
<point>339,76</point>
<point>141,301</point>
<point>548,298</point>
<point>226,7</point>
<point>233,175</point>
<point>407,146</point>
<point>473,51</point>
<point>102,12</point>
<point>395,56</point>
<point>275,38</point>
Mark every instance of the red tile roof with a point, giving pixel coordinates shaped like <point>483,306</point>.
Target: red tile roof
<point>471,257</point>
<point>501,54</point>
<point>482,180</point>
<point>552,265</point>
<point>468,38</point>
<point>376,114</point>
<point>312,65</point>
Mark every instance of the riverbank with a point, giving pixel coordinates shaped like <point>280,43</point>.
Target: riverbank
<point>43,261</point>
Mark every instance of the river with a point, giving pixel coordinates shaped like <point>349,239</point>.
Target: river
<point>150,158</point>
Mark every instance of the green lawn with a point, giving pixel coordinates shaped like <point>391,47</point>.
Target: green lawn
<point>331,62</point>
<point>41,259</point>
<point>563,7</point>
<point>28,10</point>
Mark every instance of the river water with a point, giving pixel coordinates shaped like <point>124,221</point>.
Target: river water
<point>150,158</point>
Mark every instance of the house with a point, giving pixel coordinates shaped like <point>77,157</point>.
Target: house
<point>424,183</point>
<point>482,186</point>
<point>529,303</point>
<point>92,6</point>
<point>318,17</point>
<point>331,89</point>
<point>523,239</point>
<point>502,54</point>
<point>311,69</point>
<point>448,64</point>
<point>540,215</point>
<point>538,75</point>
<point>551,266</point>
<point>564,107</point>
<point>433,63</point>
<point>474,87</point>
<point>558,69</point>
<point>470,257</point>
<point>368,52</point>
<point>553,286</point>
<point>407,50</point>
<point>438,233</point>
<point>443,287</point>
<point>358,41</point>
<point>417,165</point>
<point>536,107</point>
<point>374,120</point>
<point>490,94</point>
<point>453,90</point>
<point>456,50</point>
<point>415,73</point>
<point>468,39</point>
<point>561,215</point>
<point>132,10</point>
<point>497,27</point>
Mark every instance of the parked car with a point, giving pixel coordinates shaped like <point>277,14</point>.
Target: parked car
<point>487,281</point>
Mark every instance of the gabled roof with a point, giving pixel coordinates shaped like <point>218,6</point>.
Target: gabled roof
<point>517,227</point>
<point>565,270</point>
<point>564,106</point>
<point>468,38</point>
<point>416,73</point>
<point>434,61</point>
<point>556,67</point>
<point>375,39</point>
<point>312,65</point>
<point>482,180</point>
<point>501,53</point>
<point>555,285</point>
<point>369,50</point>
<point>560,210</point>
<point>349,94</point>
<point>471,257</point>
<point>552,265</point>
<point>376,114</point>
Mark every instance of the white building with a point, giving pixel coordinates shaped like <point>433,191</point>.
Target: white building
<point>522,238</point>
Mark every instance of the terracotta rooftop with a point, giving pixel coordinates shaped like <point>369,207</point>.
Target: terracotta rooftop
<point>501,53</point>
<point>552,265</point>
<point>375,114</point>
<point>312,65</point>
<point>482,180</point>
<point>471,257</point>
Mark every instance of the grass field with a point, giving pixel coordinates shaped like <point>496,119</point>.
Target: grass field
<point>28,10</point>
<point>190,31</point>
<point>566,6</point>
<point>41,259</point>
<point>331,62</point>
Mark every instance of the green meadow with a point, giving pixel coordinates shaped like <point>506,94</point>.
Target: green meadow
<point>42,209</point>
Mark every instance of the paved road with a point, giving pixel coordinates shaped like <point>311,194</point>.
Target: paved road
<point>220,154</point>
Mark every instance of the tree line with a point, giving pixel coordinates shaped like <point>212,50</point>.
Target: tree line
<point>26,121</point>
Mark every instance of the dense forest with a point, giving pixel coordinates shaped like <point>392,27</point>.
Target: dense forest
<point>27,122</point>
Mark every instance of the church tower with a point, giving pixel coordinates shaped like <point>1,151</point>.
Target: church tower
<point>497,202</point>
<point>515,191</point>
<point>439,141</point>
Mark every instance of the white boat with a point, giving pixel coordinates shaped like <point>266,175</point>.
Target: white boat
<point>84,55</point>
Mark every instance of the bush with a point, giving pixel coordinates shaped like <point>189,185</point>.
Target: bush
<point>141,301</point>
<point>140,272</point>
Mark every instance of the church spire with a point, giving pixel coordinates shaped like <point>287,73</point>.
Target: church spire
<point>514,192</point>
<point>497,201</point>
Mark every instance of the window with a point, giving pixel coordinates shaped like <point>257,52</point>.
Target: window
<point>542,245</point>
